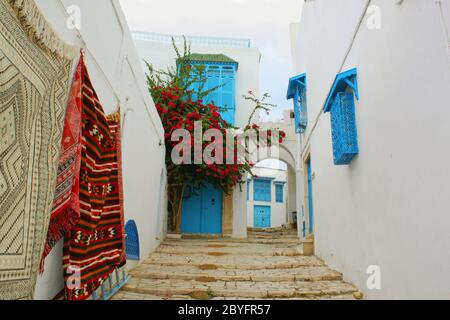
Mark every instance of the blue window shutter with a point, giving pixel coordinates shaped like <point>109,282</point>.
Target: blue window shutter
<point>303,113</point>
<point>343,127</point>
<point>223,79</point>
<point>279,190</point>
<point>297,92</point>
<point>248,189</point>
<point>227,91</point>
<point>297,112</point>
<point>262,190</point>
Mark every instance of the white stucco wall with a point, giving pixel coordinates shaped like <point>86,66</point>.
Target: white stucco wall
<point>162,56</point>
<point>390,206</point>
<point>279,213</point>
<point>117,76</point>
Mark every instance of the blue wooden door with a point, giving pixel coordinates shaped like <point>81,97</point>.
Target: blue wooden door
<point>262,217</point>
<point>211,211</point>
<point>202,211</point>
<point>310,198</point>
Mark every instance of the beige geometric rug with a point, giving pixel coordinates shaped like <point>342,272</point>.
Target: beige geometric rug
<point>34,83</point>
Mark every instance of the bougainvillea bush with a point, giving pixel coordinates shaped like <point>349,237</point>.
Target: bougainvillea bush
<point>183,110</point>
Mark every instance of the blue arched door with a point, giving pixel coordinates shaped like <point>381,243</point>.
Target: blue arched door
<point>132,240</point>
<point>202,211</point>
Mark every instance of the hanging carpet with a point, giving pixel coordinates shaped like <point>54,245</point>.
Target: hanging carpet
<point>34,84</point>
<point>66,205</point>
<point>93,248</point>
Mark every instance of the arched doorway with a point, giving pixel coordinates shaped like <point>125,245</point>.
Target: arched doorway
<point>272,195</point>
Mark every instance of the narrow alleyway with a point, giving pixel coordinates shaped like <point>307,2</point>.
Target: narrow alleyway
<point>267,265</point>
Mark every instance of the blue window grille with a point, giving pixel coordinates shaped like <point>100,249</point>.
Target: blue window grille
<point>279,192</point>
<point>262,190</point>
<point>132,241</point>
<point>341,104</point>
<point>297,92</point>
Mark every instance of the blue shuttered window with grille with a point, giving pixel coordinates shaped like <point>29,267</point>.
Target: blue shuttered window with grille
<point>341,104</point>
<point>279,192</point>
<point>297,92</point>
<point>262,190</point>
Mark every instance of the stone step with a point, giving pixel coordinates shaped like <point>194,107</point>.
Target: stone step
<point>170,248</point>
<point>214,275</point>
<point>128,295</point>
<point>278,229</point>
<point>240,289</point>
<point>229,244</point>
<point>234,261</point>
<point>131,296</point>
<point>272,237</point>
<point>269,241</point>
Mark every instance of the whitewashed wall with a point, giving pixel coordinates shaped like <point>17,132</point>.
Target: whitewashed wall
<point>279,213</point>
<point>390,207</point>
<point>117,76</point>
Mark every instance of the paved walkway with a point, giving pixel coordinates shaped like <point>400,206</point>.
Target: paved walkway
<point>269,265</point>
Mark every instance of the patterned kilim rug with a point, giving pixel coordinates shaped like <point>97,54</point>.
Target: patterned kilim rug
<point>66,205</point>
<point>34,85</point>
<point>94,248</point>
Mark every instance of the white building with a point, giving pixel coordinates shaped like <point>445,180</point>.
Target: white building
<point>157,49</point>
<point>382,70</point>
<point>208,212</point>
<point>267,195</point>
<point>117,76</point>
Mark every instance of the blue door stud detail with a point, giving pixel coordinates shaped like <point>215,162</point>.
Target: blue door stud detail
<point>262,217</point>
<point>132,240</point>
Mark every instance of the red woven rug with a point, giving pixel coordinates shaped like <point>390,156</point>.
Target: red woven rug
<point>94,246</point>
<point>66,205</point>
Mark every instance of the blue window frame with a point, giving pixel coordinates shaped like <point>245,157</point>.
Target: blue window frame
<point>262,190</point>
<point>222,78</point>
<point>279,192</point>
<point>297,92</point>
<point>248,189</point>
<point>341,104</point>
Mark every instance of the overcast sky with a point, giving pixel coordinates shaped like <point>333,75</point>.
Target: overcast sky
<point>265,22</point>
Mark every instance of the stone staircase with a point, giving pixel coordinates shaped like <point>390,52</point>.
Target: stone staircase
<point>268,265</point>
